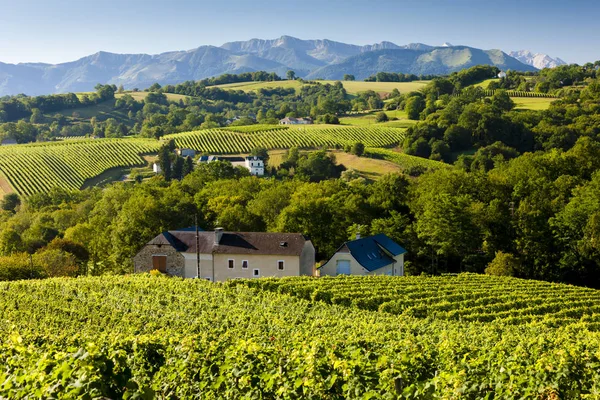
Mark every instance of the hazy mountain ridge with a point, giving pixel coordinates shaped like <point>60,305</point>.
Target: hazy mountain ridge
<point>320,58</point>
<point>538,60</point>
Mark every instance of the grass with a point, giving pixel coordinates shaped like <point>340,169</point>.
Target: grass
<point>484,84</point>
<point>142,95</point>
<point>276,157</point>
<point>369,119</point>
<point>368,168</point>
<point>352,87</point>
<point>252,86</point>
<point>101,111</point>
<point>532,103</point>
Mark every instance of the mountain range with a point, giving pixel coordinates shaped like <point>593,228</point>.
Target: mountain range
<point>310,59</point>
<point>538,60</point>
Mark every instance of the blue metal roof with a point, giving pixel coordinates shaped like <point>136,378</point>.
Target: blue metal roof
<point>369,251</point>
<point>388,244</point>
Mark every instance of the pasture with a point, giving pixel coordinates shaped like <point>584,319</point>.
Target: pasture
<point>532,103</point>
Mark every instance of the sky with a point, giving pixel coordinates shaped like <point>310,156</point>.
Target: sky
<point>55,31</point>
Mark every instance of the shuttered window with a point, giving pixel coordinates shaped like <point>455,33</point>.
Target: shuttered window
<point>159,263</point>
<point>231,264</point>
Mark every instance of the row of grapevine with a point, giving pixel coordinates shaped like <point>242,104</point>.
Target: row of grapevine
<point>463,298</point>
<point>404,160</point>
<point>39,167</point>
<point>35,168</point>
<point>153,337</point>
<point>222,141</point>
<point>521,93</point>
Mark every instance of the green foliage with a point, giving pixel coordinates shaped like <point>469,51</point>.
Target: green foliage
<point>504,264</point>
<point>381,117</point>
<point>358,149</point>
<point>229,342</point>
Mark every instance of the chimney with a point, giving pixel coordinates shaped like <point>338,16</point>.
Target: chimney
<point>218,235</point>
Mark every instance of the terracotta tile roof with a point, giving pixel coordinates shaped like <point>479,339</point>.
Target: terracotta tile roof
<point>233,242</point>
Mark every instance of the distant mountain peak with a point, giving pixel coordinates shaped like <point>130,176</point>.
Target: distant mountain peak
<point>447,44</point>
<point>537,60</point>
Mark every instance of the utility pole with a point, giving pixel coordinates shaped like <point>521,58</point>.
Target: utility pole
<point>197,246</point>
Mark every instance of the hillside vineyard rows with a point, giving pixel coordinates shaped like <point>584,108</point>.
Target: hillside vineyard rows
<point>221,141</point>
<point>466,297</point>
<point>154,337</point>
<point>38,168</point>
<point>68,164</point>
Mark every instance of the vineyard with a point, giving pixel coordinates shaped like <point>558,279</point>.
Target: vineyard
<point>466,298</point>
<point>154,337</point>
<point>404,160</point>
<point>39,167</point>
<point>223,141</point>
<point>36,168</point>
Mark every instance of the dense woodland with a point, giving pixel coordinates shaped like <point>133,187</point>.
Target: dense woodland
<point>522,200</point>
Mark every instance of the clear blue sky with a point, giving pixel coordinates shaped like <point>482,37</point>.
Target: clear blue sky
<point>64,30</point>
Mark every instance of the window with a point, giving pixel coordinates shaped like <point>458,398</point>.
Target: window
<point>256,272</point>
<point>245,264</point>
<point>231,264</point>
<point>280,265</point>
<point>159,263</point>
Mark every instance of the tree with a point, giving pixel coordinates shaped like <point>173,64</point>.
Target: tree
<point>291,75</point>
<point>178,168</point>
<point>358,149</point>
<point>10,202</point>
<point>413,107</point>
<point>164,161</point>
<point>504,264</point>
<point>36,116</point>
<point>188,166</point>
<point>349,77</point>
<point>381,117</point>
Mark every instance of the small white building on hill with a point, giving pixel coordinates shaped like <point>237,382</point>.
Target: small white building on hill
<point>255,165</point>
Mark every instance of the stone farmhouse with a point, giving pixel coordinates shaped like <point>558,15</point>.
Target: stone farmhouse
<point>218,255</point>
<point>373,255</point>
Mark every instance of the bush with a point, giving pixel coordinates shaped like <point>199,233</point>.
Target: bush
<point>504,264</point>
<point>381,117</point>
<point>358,149</point>
<point>18,266</point>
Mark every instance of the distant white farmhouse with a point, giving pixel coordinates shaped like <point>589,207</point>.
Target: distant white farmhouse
<point>156,168</point>
<point>255,165</point>
<point>502,74</point>
<point>186,153</point>
<point>295,121</point>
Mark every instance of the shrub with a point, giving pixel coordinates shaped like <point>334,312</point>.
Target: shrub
<point>504,264</point>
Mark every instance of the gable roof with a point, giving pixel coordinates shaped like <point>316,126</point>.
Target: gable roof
<point>373,252</point>
<point>259,243</point>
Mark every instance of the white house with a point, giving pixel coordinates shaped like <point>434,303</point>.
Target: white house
<point>156,168</point>
<point>502,74</point>
<point>295,121</point>
<point>373,255</point>
<point>207,159</point>
<point>186,153</point>
<point>255,165</point>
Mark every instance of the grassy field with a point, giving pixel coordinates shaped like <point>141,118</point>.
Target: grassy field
<point>369,119</point>
<point>532,103</point>
<point>368,168</point>
<point>484,84</point>
<point>251,86</point>
<point>101,111</point>
<point>142,95</point>
<point>352,87</point>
